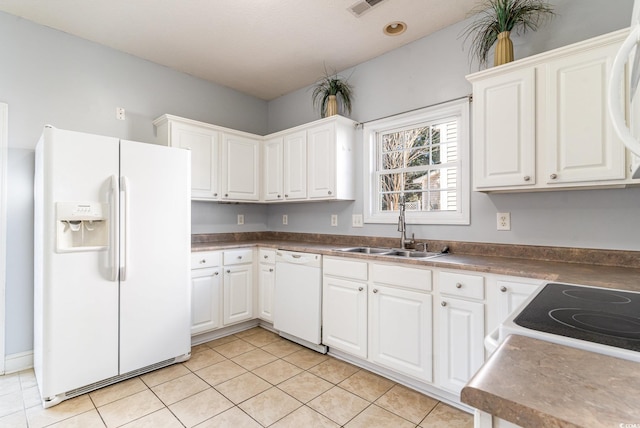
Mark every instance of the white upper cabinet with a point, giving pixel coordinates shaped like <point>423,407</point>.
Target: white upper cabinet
<point>240,168</point>
<point>204,144</point>
<point>314,161</point>
<point>541,123</point>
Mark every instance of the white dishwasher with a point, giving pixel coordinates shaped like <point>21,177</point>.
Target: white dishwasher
<point>297,312</point>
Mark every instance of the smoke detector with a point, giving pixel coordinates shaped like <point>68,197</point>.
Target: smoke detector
<point>361,7</point>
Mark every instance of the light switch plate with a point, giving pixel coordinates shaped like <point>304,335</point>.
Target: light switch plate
<point>356,220</point>
<point>240,218</point>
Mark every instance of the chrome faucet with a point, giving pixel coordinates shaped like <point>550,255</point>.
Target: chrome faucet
<point>402,225</point>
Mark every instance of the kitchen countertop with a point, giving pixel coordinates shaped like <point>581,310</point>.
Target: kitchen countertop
<point>565,387</point>
<point>574,273</point>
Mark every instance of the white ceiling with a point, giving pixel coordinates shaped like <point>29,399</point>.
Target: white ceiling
<point>265,48</point>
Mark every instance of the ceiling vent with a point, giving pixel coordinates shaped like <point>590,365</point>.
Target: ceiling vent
<point>363,6</point>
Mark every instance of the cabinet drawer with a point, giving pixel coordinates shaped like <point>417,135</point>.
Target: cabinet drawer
<point>402,276</point>
<point>236,257</point>
<point>459,284</point>
<point>345,268</point>
<point>205,259</point>
<point>266,256</point>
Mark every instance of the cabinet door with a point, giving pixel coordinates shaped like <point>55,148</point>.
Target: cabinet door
<point>582,145</point>
<point>238,293</point>
<point>295,165</point>
<point>241,168</point>
<point>205,299</point>
<point>344,315</point>
<point>272,162</point>
<point>266,282</point>
<point>401,331</point>
<point>504,130</point>
<point>461,350</point>
<point>321,147</point>
<point>205,158</point>
<point>511,295</point>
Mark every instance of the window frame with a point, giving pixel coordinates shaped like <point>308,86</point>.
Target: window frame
<point>421,117</point>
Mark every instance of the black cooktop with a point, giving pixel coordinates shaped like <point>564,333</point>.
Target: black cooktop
<point>600,315</point>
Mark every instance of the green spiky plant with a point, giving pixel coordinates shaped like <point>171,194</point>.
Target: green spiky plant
<point>496,16</point>
<point>332,84</point>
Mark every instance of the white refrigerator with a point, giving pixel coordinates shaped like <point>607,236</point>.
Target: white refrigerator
<point>112,261</point>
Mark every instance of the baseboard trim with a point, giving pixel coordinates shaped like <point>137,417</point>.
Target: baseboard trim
<point>18,362</point>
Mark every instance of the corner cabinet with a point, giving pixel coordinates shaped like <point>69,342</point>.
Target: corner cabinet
<point>311,162</point>
<point>541,123</point>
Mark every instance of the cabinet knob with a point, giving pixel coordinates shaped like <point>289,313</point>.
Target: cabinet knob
<point>503,289</point>
<point>203,261</point>
<point>279,196</point>
<point>458,285</point>
<point>553,176</point>
<point>239,257</point>
<point>266,256</point>
<point>375,290</point>
<point>360,288</point>
<point>329,192</point>
<point>270,269</point>
<point>216,273</point>
<point>215,194</point>
<point>527,178</point>
<point>443,303</point>
<point>226,195</point>
<point>228,270</point>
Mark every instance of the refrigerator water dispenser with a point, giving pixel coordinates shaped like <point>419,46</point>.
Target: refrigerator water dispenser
<point>81,226</point>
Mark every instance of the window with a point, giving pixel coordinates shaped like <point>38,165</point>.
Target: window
<point>422,156</point>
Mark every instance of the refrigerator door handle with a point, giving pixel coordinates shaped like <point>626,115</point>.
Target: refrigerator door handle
<point>113,233</point>
<point>124,228</point>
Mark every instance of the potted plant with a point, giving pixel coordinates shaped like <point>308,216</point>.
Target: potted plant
<point>331,91</point>
<point>496,19</point>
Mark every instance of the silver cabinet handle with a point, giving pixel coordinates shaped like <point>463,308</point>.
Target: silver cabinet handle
<point>360,288</point>
<point>553,176</point>
<point>458,285</point>
<point>503,289</point>
<point>443,303</point>
<point>216,273</point>
<point>203,261</point>
<point>527,178</point>
<point>375,290</point>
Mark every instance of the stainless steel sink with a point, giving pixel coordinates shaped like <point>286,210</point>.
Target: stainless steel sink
<point>366,250</point>
<point>392,252</point>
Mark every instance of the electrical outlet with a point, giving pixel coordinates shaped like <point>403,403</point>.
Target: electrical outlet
<point>285,219</point>
<point>240,218</point>
<point>504,221</point>
<point>120,113</point>
<point>356,220</point>
<point>334,219</point>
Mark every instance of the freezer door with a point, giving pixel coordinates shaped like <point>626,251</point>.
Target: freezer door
<point>155,250</point>
<point>76,302</point>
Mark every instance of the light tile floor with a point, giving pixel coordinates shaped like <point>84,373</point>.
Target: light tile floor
<point>250,379</point>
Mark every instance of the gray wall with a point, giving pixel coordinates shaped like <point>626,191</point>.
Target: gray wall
<point>49,77</point>
<point>408,78</point>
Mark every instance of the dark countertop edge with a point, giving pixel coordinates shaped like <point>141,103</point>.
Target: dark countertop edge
<point>490,391</point>
<point>573,273</point>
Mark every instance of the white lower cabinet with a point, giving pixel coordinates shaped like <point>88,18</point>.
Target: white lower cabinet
<point>401,331</point>
<point>461,320</point>
<point>205,292</point>
<point>266,283</point>
<point>344,315</point>
<point>238,286</point>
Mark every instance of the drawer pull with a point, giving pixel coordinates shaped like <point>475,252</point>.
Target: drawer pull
<point>279,196</point>
<point>360,288</point>
<point>239,257</point>
<point>527,178</point>
<point>458,285</point>
<point>266,257</point>
<point>503,289</point>
<point>443,303</point>
<point>215,194</point>
<point>216,273</point>
<point>329,192</point>
<point>203,261</point>
<point>553,176</point>
<point>270,269</point>
<point>286,196</point>
<point>228,271</point>
<point>375,290</point>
